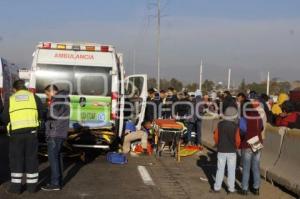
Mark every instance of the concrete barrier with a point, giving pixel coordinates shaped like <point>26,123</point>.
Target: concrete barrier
<point>207,130</point>
<point>280,161</point>
<point>286,171</point>
<point>272,148</point>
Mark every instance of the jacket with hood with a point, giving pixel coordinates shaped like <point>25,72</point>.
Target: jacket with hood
<point>254,128</point>
<point>228,102</point>
<point>227,134</point>
<point>276,109</point>
<point>58,116</point>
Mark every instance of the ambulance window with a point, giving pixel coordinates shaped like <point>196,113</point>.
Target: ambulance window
<point>93,80</point>
<point>60,75</point>
<point>134,86</point>
<point>76,80</point>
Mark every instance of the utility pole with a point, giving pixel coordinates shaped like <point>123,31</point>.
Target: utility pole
<point>229,79</point>
<point>158,44</point>
<point>268,83</point>
<point>200,80</point>
<point>133,65</point>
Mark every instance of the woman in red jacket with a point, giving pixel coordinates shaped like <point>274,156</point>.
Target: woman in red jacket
<point>289,117</point>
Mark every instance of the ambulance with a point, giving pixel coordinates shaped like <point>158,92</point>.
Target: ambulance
<point>8,74</point>
<point>94,77</point>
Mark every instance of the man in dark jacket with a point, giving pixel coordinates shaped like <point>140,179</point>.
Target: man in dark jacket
<point>264,98</point>
<point>228,101</point>
<point>151,112</point>
<point>164,108</point>
<point>195,122</point>
<point>227,139</point>
<point>57,125</point>
<point>182,106</point>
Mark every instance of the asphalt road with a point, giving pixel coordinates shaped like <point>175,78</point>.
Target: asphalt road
<point>142,177</point>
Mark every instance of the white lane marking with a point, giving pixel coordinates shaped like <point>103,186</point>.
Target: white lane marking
<point>145,176</point>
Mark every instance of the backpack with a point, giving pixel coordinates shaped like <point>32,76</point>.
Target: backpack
<point>130,126</point>
<point>116,158</point>
<point>243,125</point>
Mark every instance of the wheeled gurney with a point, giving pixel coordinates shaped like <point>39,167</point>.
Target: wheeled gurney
<point>169,133</point>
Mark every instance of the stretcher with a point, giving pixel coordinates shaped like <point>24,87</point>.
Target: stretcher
<point>169,133</point>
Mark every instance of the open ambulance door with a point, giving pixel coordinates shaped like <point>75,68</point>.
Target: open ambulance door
<point>135,98</point>
<point>121,94</point>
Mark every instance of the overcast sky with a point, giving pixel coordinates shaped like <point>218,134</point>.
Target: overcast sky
<point>251,36</point>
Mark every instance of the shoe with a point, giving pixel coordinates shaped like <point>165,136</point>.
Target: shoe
<point>50,187</point>
<point>244,192</point>
<point>144,153</point>
<point>14,189</point>
<point>231,192</point>
<point>31,188</point>
<point>256,192</point>
<point>214,191</point>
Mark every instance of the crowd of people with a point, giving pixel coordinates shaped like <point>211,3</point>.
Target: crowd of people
<point>239,134</point>
<point>243,119</point>
<point>182,106</point>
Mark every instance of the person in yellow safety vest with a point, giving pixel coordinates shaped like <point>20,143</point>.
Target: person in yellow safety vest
<point>22,115</point>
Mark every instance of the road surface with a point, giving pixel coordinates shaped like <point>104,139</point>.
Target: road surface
<point>142,177</point>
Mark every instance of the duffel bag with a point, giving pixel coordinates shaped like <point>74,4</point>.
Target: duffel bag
<point>116,158</point>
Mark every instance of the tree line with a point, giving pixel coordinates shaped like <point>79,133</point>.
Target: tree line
<point>276,86</point>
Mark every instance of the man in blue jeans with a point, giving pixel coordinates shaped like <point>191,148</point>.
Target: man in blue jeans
<point>57,125</point>
<point>227,139</point>
<point>251,160</point>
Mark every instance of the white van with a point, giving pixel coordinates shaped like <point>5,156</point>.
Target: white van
<point>8,74</point>
<point>93,75</point>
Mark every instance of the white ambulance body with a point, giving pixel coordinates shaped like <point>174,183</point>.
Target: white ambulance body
<point>94,77</point>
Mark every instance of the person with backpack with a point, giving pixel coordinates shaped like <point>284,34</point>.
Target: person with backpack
<point>227,139</point>
<point>251,148</point>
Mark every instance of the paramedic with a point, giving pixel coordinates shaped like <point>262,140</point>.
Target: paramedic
<point>21,115</point>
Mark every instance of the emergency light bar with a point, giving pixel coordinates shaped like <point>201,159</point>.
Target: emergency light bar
<point>61,46</point>
<point>47,45</point>
<point>77,47</point>
<point>104,48</point>
<point>90,48</point>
